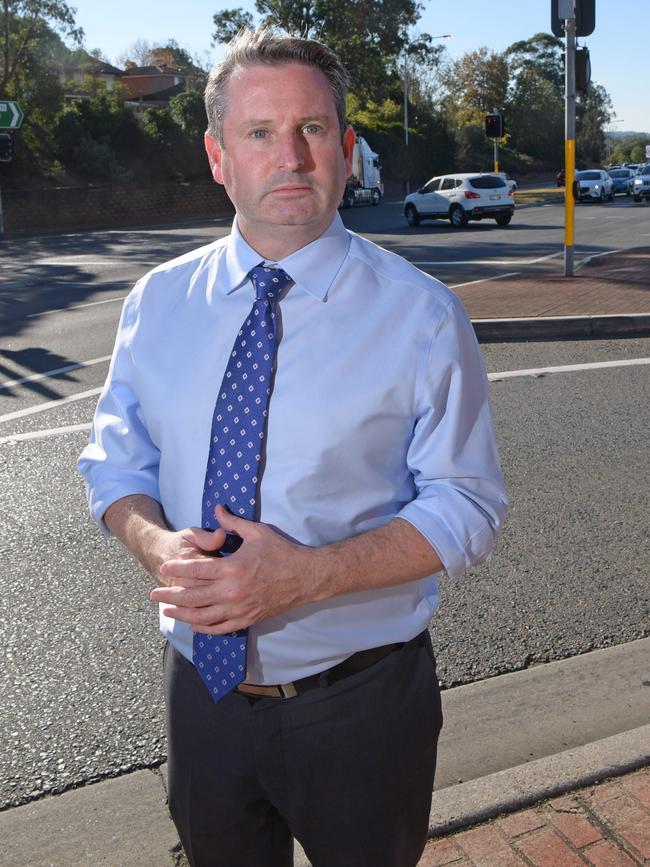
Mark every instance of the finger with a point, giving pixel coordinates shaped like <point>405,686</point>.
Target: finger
<point>211,620</point>
<point>232,523</point>
<point>226,627</point>
<point>208,540</point>
<point>196,568</point>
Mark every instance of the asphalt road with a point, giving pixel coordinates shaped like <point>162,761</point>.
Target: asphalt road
<point>81,675</point>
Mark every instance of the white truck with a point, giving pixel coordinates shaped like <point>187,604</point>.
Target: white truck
<point>364,186</point>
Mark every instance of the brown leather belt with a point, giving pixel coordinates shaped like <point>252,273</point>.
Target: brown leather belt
<point>353,664</point>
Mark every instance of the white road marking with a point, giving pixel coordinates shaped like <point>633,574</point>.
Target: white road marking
<point>75,307</point>
<point>485,279</point>
<point>94,263</point>
<point>51,404</point>
<point>492,261</point>
<point>565,368</point>
<point>36,376</point>
<point>492,377</point>
<point>43,434</point>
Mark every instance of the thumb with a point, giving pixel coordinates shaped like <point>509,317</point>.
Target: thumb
<point>208,540</point>
<point>231,523</point>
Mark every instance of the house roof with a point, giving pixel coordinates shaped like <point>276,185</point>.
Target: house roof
<point>159,95</point>
<point>152,70</point>
<point>82,60</point>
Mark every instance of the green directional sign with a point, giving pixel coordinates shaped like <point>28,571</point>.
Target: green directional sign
<point>11,116</point>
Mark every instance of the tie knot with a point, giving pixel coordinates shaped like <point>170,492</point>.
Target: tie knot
<point>269,282</point>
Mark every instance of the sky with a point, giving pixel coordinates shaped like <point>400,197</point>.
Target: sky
<point>618,59</point>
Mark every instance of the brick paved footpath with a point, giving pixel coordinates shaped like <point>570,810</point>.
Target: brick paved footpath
<point>618,283</point>
<point>605,825</point>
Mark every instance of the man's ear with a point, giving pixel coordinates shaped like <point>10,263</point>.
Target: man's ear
<point>349,139</point>
<point>213,150</point>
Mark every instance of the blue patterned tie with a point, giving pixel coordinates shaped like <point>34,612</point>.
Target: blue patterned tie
<point>236,449</point>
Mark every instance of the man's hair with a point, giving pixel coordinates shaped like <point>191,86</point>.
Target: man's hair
<point>264,45</point>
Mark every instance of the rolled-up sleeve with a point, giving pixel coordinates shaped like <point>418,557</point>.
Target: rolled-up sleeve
<point>461,501</point>
<point>120,458</point>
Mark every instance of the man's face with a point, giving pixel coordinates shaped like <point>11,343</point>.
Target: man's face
<point>282,161</point>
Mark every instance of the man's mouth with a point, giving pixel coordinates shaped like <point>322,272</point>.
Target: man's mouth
<point>291,189</point>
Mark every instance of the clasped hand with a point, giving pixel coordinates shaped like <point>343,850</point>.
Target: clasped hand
<point>267,575</point>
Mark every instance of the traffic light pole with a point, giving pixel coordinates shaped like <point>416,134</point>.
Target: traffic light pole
<point>569,144</point>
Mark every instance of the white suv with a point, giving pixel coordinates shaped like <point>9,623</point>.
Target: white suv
<point>459,198</point>
<point>593,184</point>
<point>641,184</point>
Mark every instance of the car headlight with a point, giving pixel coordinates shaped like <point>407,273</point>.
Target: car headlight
<point>596,186</point>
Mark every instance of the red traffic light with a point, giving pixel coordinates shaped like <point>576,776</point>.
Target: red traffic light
<point>494,126</point>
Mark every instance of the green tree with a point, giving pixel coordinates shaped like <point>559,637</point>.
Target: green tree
<point>628,148</point>
<point>25,24</point>
<point>99,137</point>
<point>535,117</point>
<point>368,35</point>
<point>476,83</point>
<point>188,112</point>
<point>541,55</point>
<point>31,48</point>
<point>593,113</point>
<point>229,22</point>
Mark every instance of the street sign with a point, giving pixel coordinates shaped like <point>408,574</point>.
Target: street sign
<point>11,116</point>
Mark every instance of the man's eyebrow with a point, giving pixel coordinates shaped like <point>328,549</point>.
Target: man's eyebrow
<point>266,121</point>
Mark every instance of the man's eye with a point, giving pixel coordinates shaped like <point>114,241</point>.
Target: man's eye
<point>311,128</point>
<point>258,133</point>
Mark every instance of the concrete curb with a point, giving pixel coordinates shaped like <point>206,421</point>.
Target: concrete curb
<point>563,327</point>
<point>506,791</point>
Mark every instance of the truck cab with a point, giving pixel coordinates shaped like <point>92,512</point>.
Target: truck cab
<point>364,186</point>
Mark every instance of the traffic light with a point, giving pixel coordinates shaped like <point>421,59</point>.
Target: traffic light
<point>585,17</point>
<point>6,148</point>
<point>583,70</point>
<point>494,126</point>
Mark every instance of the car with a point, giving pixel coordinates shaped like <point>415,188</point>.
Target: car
<point>459,198</point>
<point>593,184</point>
<point>512,183</point>
<point>641,188</point>
<point>621,179</point>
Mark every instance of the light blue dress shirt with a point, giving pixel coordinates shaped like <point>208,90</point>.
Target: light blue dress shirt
<point>379,409</point>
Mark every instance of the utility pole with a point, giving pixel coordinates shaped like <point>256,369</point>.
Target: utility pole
<point>571,18</point>
<point>567,11</point>
<point>406,118</point>
<point>496,148</point>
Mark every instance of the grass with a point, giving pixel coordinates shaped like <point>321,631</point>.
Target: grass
<point>543,194</point>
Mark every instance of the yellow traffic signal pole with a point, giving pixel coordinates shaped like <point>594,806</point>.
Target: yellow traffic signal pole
<point>569,142</point>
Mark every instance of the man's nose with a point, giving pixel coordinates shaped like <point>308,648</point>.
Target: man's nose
<point>292,152</point>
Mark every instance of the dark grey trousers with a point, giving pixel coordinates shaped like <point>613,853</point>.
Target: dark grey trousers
<point>346,769</point>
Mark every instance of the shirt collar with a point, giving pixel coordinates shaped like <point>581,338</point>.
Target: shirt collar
<point>312,268</point>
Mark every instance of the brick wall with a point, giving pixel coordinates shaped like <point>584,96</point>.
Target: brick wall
<point>68,208</point>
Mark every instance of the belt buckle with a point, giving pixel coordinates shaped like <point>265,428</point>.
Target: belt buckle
<point>287,690</point>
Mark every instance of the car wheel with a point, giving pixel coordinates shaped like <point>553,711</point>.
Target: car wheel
<point>503,219</point>
<point>457,217</point>
<point>376,197</point>
<point>637,198</point>
<point>601,197</point>
<point>412,216</point>
<point>611,195</point>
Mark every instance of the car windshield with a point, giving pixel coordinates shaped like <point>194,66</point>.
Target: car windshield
<point>588,176</point>
<point>487,182</point>
<point>645,171</point>
<point>619,173</point>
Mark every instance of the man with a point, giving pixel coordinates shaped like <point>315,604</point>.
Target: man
<point>344,421</point>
